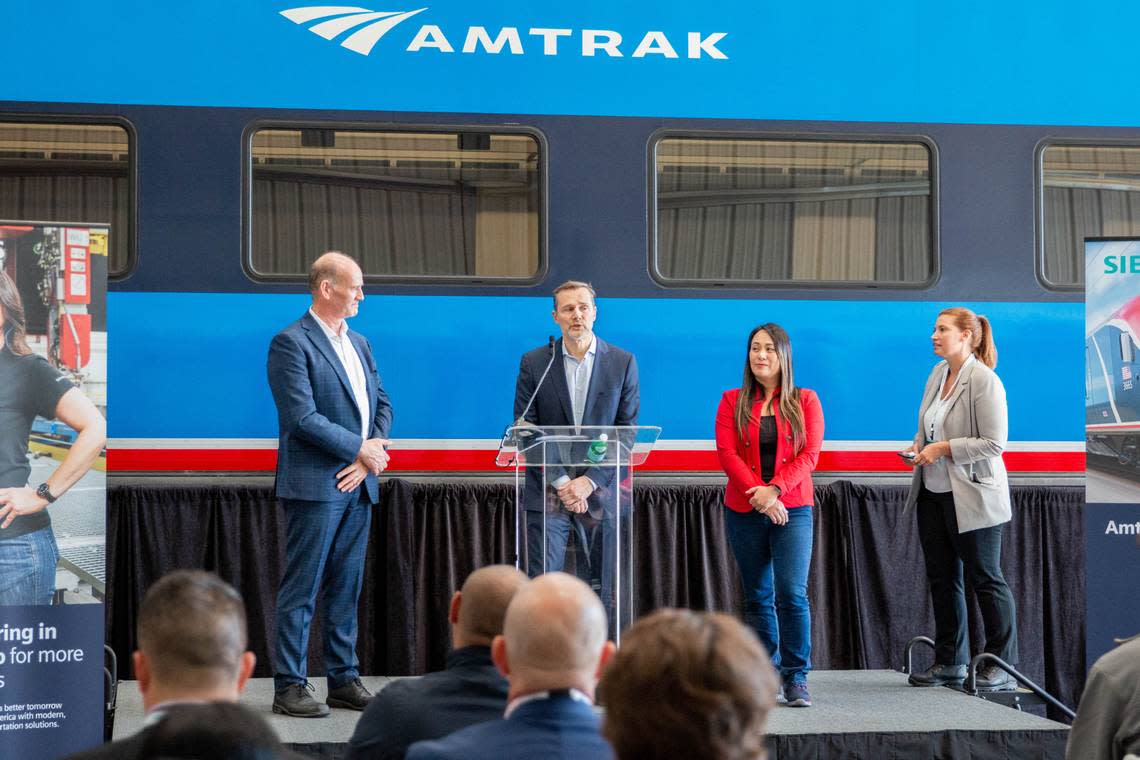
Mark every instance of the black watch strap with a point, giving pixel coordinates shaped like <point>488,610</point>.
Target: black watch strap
<point>45,493</point>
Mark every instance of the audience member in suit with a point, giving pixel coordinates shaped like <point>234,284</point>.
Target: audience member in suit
<point>471,690</point>
<point>590,382</point>
<point>552,651</point>
<point>216,730</point>
<point>1108,720</point>
<point>192,650</point>
<point>334,418</point>
<point>688,684</point>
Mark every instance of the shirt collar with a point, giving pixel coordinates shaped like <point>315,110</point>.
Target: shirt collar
<point>328,330</point>
<point>518,702</point>
<point>590,351</point>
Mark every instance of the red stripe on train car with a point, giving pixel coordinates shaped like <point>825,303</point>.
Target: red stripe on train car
<point>483,460</point>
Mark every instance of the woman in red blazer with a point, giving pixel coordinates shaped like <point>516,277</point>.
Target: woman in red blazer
<point>768,437</point>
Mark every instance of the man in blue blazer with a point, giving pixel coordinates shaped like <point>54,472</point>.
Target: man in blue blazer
<point>590,383</point>
<point>334,419</point>
<point>553,666</point>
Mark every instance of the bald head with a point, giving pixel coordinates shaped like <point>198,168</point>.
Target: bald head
<point>483,602</point>
<point>554,635</point>
<point>332,266</point>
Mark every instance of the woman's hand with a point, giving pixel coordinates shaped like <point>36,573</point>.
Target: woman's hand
<point>18,502</point>
<point>776,512</point>
<point>932,452</point>
<point>762,496</point>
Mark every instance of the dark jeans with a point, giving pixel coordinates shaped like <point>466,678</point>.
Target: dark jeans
<point>978,553</point>
<point>325,544</point>
<point>774,562</point>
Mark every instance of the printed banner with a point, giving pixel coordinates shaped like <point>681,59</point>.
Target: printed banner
<point>53,406</point>
<point>1112,440</point>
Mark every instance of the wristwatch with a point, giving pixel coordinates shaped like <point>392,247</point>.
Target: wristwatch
<point>779,491</point>
<point>45,493</point>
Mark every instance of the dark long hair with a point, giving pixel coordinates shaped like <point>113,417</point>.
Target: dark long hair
<point>15,326</point>
<point>750,390</point>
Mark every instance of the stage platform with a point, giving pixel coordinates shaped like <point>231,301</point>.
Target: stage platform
<point>857,714</point>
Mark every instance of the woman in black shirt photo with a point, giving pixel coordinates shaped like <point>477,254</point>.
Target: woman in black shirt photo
<point>30,386</point>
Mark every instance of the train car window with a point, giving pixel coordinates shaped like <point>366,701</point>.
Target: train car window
<point>457,206</point>
<point>1126,347</point>
<point>71,172</point>
<point>1085,191</point>
<point>840,212</point>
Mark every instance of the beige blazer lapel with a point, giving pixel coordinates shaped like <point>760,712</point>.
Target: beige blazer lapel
<point>960,385</point>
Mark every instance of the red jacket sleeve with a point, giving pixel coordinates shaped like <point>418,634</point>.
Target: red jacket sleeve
<point>803,464</point>
<point>738,471</point>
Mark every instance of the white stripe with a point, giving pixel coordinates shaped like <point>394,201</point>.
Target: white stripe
<point>330,29</point>
<point>492,444</point>
<point>312,12</point>
<point>363,41</point>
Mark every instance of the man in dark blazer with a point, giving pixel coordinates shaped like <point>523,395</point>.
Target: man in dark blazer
<point>589,383</point>
<point>471,690</point>
<point>553,667</point>
<point>192,651</point>
<point>334,419</point>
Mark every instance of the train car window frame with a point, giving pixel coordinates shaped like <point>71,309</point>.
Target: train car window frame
<point>825,137</point>
<point>128,235</point>
<point>539,137</point>
<point>1039,220</point>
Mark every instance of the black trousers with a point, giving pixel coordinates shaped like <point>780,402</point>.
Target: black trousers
<point>978,553</point>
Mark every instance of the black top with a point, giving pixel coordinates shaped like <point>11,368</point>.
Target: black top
<point>29,386</point>
<point>471,690</point>
<point>767,447</point>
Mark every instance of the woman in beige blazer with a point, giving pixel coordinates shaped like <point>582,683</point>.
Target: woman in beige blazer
<point>961,494</point>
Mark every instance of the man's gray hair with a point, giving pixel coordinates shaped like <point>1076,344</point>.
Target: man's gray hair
<point>327,267</point>
<point>575,285</point>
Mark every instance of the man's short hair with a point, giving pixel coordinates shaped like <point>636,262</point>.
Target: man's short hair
<point>574,285</point>
<point>487,593</point>
<point>212,729</point>
<point>192,628</point>
<point>688,684</point>
<point>326,267</point>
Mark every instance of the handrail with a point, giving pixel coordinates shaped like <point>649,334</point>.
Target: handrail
<point>908,666</point>
<point>971,684</point>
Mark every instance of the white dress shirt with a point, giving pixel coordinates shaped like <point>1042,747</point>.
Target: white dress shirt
<point>936,475</point>
<point>353,367</point>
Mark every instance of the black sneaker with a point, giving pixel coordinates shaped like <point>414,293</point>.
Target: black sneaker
<point>939,675</point>
<point>796,694</point>
<point>294,700</point>
<point>993,678</point>
<point>351,695</point>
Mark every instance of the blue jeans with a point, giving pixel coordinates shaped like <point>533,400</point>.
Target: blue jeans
<point>27,568</point>
<point>774,562</point>
<point>325,543</point>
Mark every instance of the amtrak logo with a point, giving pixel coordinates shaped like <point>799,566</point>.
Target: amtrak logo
<point>374,24</point>
<point>365,27</point>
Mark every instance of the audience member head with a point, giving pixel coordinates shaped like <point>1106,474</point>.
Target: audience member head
<point>192,640</point>
<point>554,637</point>
<point>688,684</point>
<point>213,731</point>
<point>479,608</point>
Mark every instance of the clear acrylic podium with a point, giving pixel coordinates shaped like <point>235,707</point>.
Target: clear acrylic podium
<point>592,539</point>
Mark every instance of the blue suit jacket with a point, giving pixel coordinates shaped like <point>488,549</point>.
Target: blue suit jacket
<point>469,691</point>
<point>549,729</point>
<point>316,413</point>
<point>613,398</point>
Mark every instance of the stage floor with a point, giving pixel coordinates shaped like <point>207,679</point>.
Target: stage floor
<point>870,703</point>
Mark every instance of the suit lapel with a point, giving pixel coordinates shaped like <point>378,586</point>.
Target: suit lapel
<point>321,341</point>
<point>558,370</point>
<point>601,366</point>
<point>960,385</point>
<point>362,352</point>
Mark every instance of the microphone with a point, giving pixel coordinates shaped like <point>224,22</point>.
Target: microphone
<point>534,394</point>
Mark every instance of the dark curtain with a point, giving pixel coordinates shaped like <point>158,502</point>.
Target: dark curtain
<point>867,585</point>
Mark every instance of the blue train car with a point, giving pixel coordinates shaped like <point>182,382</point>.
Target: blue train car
<point>844,171</point>
<point>1112,389</point>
